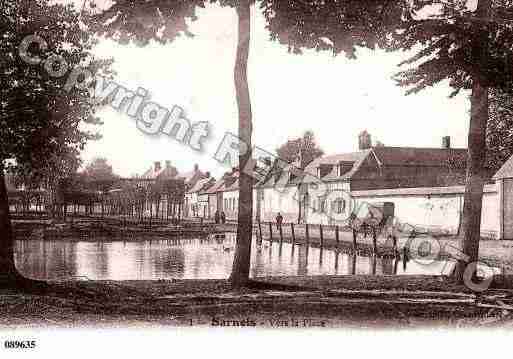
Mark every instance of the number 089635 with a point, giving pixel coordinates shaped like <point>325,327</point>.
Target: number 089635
<point>19,344</point>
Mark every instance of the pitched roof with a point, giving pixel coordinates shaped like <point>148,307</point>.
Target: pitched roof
<point>189,176</point>
<point>201,185</point>
<point>506,171</point>
<point>167,173</point>
<point>163,173</point>
<point>416,156</point>
<point>215,187</point>
<point>233,186</point>
<point>309,174</point>
<point>150,174</point>
<point>388,156</point>
<point>356,158</point>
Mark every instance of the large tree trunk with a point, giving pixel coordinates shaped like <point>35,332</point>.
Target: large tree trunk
<point>241,262</point>
<point>9,275</point>
<point>472,202</point>
<point>8,272</point>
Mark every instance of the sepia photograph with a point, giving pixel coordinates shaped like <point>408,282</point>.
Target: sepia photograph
<point>282,166</point>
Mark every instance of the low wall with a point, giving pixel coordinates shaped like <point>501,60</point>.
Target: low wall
<point>437,209</point>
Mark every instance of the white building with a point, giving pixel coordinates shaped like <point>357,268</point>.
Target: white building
<point>425,186</point>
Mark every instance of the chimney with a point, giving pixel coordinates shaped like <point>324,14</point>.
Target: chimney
<point>364,140</point>
<point>168,164</point>
<point>196,168</point>
<point>446,142</point>
<point>157,166</point>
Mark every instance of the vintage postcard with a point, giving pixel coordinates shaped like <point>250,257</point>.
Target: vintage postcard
<point>254,165</point>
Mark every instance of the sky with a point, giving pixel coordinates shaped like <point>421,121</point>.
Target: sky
<point>333,96</point>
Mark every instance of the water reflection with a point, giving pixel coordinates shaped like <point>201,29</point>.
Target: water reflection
<point>302,268</point>
<point>195,259</point>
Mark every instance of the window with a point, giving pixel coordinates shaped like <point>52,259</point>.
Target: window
<point>322,204</point>
<point>338,206</point>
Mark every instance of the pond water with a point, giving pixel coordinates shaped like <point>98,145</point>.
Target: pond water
<point>194,259</point>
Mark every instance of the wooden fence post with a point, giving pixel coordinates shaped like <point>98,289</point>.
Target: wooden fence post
<point>270,232</point>
<point>374,241</point>
<point>293,234</point>
<point>307,236</point>
<point>260,231</point>
<point>322,236</point>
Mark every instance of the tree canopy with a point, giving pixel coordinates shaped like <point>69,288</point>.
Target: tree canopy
<point>141,21</point>
<point>499,134</point>
<point>98,175</point>
<point>99,169</point>
<point>304,148</point>
<point>438,35</point>
<point>39,118</point>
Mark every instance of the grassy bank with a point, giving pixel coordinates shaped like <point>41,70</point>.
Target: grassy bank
<point>328,301</point>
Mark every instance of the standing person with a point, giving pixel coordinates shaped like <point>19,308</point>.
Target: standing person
<point>223,217</point>
<point>216,217</point>
<point>279,220</point>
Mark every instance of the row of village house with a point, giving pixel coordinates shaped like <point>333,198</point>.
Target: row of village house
<point>425,185</point>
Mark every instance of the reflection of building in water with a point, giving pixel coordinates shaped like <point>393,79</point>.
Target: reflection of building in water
<point>302,268</point>
<point>46,259</point>
<point>29,258</point>
<point>387,265</point>
<point>292,253</point>
<point>89,259</point>
<point>373,264</point>
<point>101,269</point>
<point>258,267</point>
<point>351,261</point>
<point>169,262</point>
